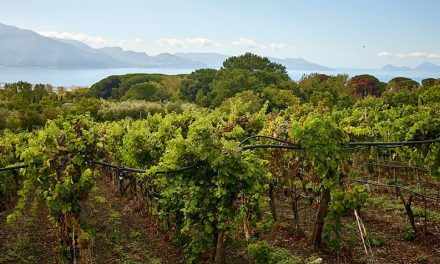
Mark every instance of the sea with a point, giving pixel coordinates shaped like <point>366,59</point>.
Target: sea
<point>86,77</point>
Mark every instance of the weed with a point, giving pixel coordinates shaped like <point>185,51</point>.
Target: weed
<point>264,253</point>
<point>375,241</point>
<point>100,199</point>
<point>409,234</point>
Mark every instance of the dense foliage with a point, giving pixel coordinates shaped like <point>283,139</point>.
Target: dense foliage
<point>59,159</point>
<point>199,182</point>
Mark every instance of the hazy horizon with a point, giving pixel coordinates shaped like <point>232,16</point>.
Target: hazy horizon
<point>87,77</point>
<point>338,34</point>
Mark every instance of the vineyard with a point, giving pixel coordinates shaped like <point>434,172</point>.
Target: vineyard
<point>242,184</point>
<point>236,165</point>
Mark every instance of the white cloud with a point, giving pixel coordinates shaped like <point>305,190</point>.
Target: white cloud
<point>249,43</point>
<point>277,46</point>
<point>188,42</point>
<point>384,54</point>
<point>94,41</point>
<point>416,54</point>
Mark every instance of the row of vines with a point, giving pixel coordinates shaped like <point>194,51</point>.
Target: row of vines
<point>227,190</point>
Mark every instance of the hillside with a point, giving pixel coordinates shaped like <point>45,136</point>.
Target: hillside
<point>25,48</point>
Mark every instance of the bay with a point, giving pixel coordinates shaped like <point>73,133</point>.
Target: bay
<point>87,77</point>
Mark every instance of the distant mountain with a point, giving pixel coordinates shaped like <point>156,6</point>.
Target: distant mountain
<point>142,60</point>
<point>390,67</point>
<point>77,44</point>
<point>215,60</point>
<point>130,57</point>
<point>428,67</point>
<point>424,67</point>
<point>299,64</point>
<point>212,60</point>
<point>25,48</point>
<point>167,60</point>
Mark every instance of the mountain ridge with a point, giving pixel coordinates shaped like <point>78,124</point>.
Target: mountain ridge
<point>423,67</point>
<point>26,48</point>
<point>299,64</point>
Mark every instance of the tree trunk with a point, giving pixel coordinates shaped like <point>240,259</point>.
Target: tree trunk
<point>408,210</point>
<point>297,229</point>
<point>220,248</point>
<point>66,231</point>
<point>319,221</point>
<point>272,202</point>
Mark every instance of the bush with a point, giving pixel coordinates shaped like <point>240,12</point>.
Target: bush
<point>136,109</point>
<point>265,253</point>
<point>409,234</point>
<point>141,91</point>
<point>375,241</point>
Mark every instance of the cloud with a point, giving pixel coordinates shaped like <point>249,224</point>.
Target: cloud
<point>416,54</point>
<point>384,54</point>
<point>94,41</point>
<point>249,43</point>
<point>188,42</point>
<point>277,46</point>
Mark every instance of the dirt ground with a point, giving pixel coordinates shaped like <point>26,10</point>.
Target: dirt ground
<point>121,232</point>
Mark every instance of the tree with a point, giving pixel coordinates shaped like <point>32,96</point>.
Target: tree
<point>117,85</point>
<point>230,82</point>
<point>280,99</point>
<point>4,116</point>
<point>19,87</point>
<point>330,90</point>
<point>247,72</point>
<point>430,95</point>
<point>40,90</point>
<point>127,81</point>
<point>360,86</point>
<point>30,119</point>
<point>87,105</point>
<point>253,63</point>
<point>428,82</point>
<point>103,88</point>
<point>198,82</point>
<point>400,97</point>
<point>402,83</point>
<point>142,91</point>
<point>246,102</point>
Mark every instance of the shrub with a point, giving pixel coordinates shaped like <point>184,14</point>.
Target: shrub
<point>264,253</point>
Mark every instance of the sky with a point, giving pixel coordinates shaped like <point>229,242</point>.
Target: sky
<point>363,34</point>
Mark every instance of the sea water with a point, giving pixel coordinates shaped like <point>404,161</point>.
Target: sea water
<point>87,77</point>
